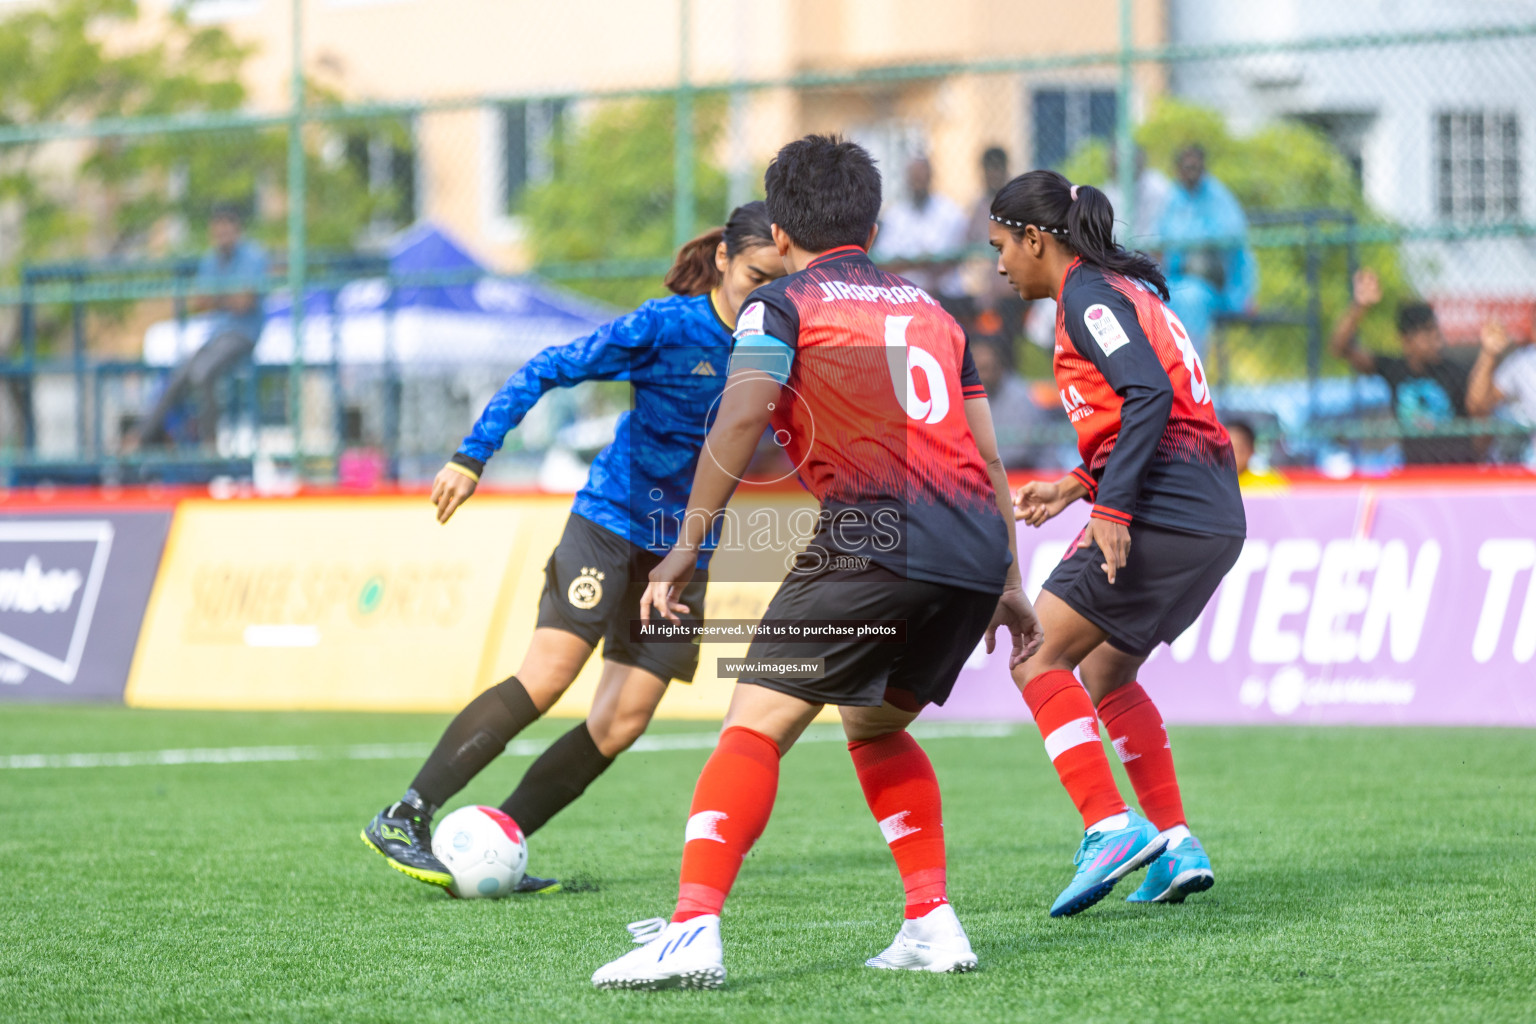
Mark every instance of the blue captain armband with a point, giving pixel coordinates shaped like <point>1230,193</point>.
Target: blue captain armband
<point>765,354</point>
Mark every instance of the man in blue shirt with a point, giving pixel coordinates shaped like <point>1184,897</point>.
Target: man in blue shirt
<point>234,325</point>
<point>1211,270</point>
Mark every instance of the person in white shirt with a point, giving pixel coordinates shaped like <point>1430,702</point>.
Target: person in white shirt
<point>1152,191</point>
<point>918,228</point>
<point>1503,378</point>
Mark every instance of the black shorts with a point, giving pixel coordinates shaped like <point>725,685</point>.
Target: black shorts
<point>592,587</point>
<point>944,625</point>
<point>1168,577</point>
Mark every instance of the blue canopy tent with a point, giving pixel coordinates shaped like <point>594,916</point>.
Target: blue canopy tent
<point>479,318</point>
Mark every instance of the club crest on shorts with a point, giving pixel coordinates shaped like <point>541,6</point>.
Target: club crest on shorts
<point>585,590</point>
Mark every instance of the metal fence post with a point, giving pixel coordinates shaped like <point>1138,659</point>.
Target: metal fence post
<point>1314,314</point>
<point>683,201</point>
<point>296,240</point>
<point>77,358</point>
<point>1125,141</point>
<point>25,393</point>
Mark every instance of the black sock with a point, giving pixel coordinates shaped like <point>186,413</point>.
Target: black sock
<point>473,740</point>
<point>553,782</point>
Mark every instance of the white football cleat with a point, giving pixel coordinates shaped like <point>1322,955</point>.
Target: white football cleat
<point>934,942</point>
<point>681,955</point>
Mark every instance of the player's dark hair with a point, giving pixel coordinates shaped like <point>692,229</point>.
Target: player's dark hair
<point>823,192</point>
<point>1237,426</point>
<point>694,271</point>
<point>1413,317</point>
<point>1085,224</point>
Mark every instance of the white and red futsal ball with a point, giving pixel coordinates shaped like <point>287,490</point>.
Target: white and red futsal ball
<point>483,849</point>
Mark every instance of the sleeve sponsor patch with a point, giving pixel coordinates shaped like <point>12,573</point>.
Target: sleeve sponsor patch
<point>750,321</point>
<point>1106,330</point>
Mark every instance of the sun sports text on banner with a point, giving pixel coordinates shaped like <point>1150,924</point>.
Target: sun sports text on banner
<point>1345,607</point>
<point>73,588</point>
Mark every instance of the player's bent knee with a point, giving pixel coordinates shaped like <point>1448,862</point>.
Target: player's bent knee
<point>614,737</point>
<point>1046,660</point>
<point>861,724</point>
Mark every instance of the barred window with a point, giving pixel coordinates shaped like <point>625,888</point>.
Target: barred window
<point>1063,119</point>
<point>1477,165</point>
<point>384,159</point>
<point>530,134</point>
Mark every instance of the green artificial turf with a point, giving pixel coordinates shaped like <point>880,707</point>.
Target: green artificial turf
<point>1380,875</point>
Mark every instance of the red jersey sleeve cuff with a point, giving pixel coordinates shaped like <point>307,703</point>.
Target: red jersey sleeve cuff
<point>1113,515</point>
<point>973,391</point>
<point>1086,479</point>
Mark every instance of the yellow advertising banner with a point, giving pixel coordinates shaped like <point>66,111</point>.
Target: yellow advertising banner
<point>369,604</point>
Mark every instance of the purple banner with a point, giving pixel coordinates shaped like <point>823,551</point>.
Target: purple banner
<point>1368,607</point>
<point>73,589</point>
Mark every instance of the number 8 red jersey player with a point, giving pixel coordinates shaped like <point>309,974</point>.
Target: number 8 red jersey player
<point>1167,524</point>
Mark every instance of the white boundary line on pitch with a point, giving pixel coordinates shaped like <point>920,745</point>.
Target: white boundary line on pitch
<point>417,751</point>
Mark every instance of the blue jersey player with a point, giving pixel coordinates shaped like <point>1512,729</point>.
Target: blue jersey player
<point>674,353</point>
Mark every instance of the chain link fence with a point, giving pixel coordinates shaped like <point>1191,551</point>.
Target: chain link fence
<point>438,244</point>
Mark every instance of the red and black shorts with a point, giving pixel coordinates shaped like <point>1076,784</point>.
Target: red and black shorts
<point>1168,578</point>
<point>943,626</point>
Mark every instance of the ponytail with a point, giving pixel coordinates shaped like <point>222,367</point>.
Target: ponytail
<point>1080,216</point>
<point>694,271</point>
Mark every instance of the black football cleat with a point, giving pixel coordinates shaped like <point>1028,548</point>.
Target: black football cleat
<point>531,886</point>
<point>403,836</point>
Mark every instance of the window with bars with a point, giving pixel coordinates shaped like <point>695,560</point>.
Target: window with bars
<point>385,161</point>
<point>1063,119</point>
<point>530,136</point>
<point>1477,165</point>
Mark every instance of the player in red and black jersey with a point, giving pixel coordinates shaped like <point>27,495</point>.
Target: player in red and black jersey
<point>1167,524</point>
<point>870,387</point>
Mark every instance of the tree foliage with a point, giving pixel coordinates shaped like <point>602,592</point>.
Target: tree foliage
<point>1286,168</point>
<point>108,196</point>
<point>612,194</point>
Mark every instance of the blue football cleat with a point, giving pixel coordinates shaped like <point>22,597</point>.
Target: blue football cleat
<point>1181,870</point>
<point>1104,859</point>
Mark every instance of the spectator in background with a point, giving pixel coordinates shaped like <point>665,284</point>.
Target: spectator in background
<point>234,325</point>
<point>1429,388</point>
<point>1152,191</point>
<point>1251,475</point>
<point>916,229</point>
<point>1215,272</point>
<point>1018,420</point>
<point>999,310</point>
<point>1503,379</point>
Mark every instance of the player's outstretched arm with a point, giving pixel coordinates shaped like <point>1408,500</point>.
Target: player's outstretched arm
<point>745,409</point>
<point>1040,501</point>
<point>609,353</point>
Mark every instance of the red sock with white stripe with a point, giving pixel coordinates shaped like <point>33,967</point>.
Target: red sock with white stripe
<point>1065,716</point>
<point>731,805</point>
<point>1136,729</point>
<point>903,793</point>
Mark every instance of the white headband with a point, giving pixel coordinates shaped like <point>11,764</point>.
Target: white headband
<point>1019,225</point>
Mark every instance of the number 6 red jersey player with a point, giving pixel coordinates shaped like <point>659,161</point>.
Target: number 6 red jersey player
<point>1167,524</point>
<point>873,390</point>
